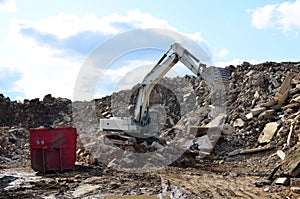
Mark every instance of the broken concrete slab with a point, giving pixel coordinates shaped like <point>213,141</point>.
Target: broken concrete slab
<point>291,164</point>
<point>286,83</point>
<point>282,97</point>
<point>280,154</point>
<point>249,116</point>
<point>217,122</point>
<point>83,189</point>
<point>283,92</point>
<point>268,132</point>
<point>282,181</point>
<point>204,143</point>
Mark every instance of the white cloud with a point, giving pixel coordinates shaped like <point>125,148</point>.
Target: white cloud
<point>222,53</point>
<point>289,15</point>
<point>50,69</point>
<point>65,25</point>
<point>46,69</point>
<point>262,17</point>
<point>8,6</point>
<point>43,71</point>
<point>284,16</point>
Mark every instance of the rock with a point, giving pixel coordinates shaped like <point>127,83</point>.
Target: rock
<point>257,111</point>
<point>249,116</point>
<point>84,189</point>
<point>268,132</point>
<point>256,95</point>
<point>238,123</point>
<point>227,129</point>
<point>291,164</point>
<point>281,154</point>
<point>282,94</point>
<point>282,181</point>
<point>296,99</point>
<point>268,114</point>
<point>261,183</point>
<point>48,99</point>
<point>217,122</point>
<point>295,182</point>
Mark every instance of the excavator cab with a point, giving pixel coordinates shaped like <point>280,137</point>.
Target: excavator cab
<point>149,126</point>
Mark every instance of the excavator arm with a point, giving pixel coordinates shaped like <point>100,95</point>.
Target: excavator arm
<point>168,60</point>
<point>141,117</point>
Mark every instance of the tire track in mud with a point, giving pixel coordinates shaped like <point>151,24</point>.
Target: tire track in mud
<point>206,184</point>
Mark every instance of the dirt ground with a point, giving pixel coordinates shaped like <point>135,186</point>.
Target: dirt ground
<point>242,177</point>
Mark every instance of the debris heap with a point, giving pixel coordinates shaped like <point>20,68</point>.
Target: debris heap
<point>261,102</point>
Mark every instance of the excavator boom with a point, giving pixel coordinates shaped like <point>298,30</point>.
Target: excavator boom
<point>167,61</point>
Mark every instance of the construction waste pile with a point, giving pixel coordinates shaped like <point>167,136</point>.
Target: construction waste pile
<point>254,135</point>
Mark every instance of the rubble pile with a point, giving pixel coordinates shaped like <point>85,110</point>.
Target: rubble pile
<point>261,104</point>
<point>14,148</point>
<point>251,107</point>
<point>250,93</point>
<point>35,113</point>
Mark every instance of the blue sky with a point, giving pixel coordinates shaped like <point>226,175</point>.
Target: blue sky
<point>44,44</point>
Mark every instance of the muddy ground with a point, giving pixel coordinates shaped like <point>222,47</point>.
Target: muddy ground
<point>245,176</point>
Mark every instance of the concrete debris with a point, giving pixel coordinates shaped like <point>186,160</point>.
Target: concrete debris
<point>281,154</point>
<point>268,114</point>
<point>268,132</point>
<point>237,134</point>
<point>35,113</point>
<point>291,164</point>
<point>282,181</point>
<point>217,122</point>
<point>257,111</point>
<point>238,123</point>
<point>282,94</point>
<point>84,189</point>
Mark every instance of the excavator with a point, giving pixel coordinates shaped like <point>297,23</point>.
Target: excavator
<point>144,122</point>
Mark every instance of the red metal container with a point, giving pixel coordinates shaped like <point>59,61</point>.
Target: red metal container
<point>52,149</point>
